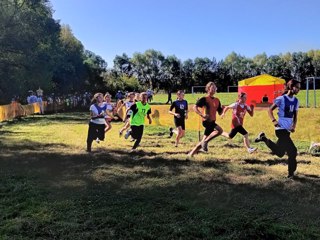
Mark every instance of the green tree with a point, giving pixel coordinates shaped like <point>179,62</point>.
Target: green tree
<point>147,67</point>
<point>28,46</point>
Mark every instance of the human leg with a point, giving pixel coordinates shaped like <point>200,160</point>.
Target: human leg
<point>136,133</point>
<point>276,148</point>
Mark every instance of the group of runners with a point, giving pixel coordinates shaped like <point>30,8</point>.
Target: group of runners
<point>137,108</point>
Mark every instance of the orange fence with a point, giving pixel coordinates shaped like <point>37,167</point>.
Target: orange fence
<point>15,110</point>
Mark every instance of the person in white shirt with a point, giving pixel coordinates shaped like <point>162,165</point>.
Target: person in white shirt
<point>97,121</point>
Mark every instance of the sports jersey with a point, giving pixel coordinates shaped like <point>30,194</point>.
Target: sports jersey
<point>109,108</point>
<point>139,111</point>
<point>96,110</point>
<point>180,106</point>
<point>238,113</point>
<point>212,106</point>
<point>286,109</point>
<point>128,104</point>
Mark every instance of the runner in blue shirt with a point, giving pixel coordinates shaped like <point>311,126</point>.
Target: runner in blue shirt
<point>180,113</point>
<point>287,105</point>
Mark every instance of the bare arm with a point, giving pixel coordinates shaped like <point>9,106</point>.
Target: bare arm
<point>271,116</point>
<point>150,119</point>
<point>225,109</point>
<point>197,111</point>
<point>251,111</point>
<point>295,118</point>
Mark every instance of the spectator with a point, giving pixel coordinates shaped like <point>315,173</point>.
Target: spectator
<point>32,97</point>
<point>119,96</point>
<point>265,99</point>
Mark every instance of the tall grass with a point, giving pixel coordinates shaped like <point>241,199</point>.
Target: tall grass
<point>52,189</point>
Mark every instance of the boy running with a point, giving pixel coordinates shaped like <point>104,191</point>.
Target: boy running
<point>128,113</point>
<point>139,110</point>
<point>211,105</point>
<point>180,113</point>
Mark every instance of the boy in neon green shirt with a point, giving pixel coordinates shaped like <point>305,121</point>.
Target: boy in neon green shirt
<point>139,111</point>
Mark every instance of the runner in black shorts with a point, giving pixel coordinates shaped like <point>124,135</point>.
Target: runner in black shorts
<point>212,106</point>
<point>180,113</point>
<point>239,110</point>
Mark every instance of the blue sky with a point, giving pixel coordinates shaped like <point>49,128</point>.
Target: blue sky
<point>192,28</point>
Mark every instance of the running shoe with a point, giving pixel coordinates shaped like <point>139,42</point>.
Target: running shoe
<point>260,137</point>
<point>251,150</point>
<point>171,132</point>
<point>127,134</point>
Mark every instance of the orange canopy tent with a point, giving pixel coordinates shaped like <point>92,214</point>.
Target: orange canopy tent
<point>261,86</point>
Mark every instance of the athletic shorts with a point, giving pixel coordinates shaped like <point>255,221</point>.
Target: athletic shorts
<point>238,129</point>
<point>209,127</point>
<point>180,122</point>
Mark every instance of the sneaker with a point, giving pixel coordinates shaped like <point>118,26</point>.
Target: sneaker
<point>132,140</point>
<point>98,140</point>
<point>260,137</point>
<point>204,146</point>
<point>171,132</point>
<point>251,150</point>
<point>127,134</point>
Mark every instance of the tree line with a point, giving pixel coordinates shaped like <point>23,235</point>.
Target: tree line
<point>37,51</point>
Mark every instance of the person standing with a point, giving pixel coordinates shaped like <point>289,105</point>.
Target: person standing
<point>211,106</point>
<point>180,113</point>
<point>287,105</point>
<point>239,110</point>
<point>139,110</point>
<point>97,121</point>
<point>169,97</point>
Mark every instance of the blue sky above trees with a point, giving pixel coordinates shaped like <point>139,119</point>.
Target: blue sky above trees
<point>190,29</point>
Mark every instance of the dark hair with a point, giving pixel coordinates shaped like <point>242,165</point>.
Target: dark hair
<point>242,94</point>
<point>289,85</point>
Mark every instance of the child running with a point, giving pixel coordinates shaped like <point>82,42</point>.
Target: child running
<point>97,121</point>
<point>128,113</point>
<point>212,105</point>
<point>109,110</point>
<point>239,110</point>
<point>180,113</point>
<point>287,105</point>
<point>139,110</point>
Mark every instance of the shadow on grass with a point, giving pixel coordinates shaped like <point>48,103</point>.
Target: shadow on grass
<point>271,162</point>
<point>114,194</point>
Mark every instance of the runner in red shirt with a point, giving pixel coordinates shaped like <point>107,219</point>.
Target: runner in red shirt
<point>239,110</point>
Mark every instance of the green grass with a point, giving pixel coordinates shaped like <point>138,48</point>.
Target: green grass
<point>228,98</point>
<point>52,189</point>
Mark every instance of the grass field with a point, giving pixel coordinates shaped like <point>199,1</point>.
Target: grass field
<point>52,189</point>
<point>228,98</point>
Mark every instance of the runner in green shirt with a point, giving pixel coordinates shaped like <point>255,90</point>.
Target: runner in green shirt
<point>139,110</point>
